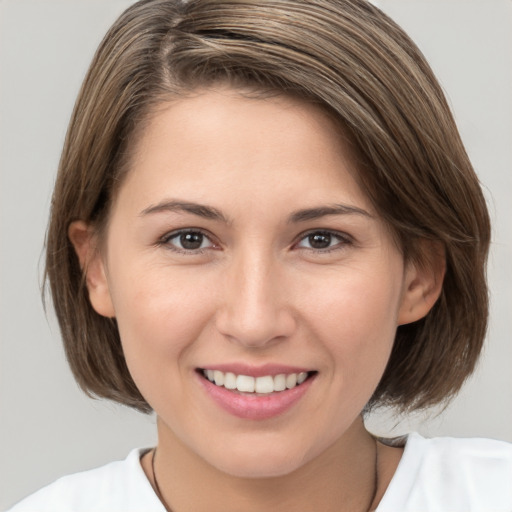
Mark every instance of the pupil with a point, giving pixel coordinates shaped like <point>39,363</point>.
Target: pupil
<point>191,240</point>
<point>320,240</point>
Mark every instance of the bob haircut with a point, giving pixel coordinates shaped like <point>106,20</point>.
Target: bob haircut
<point>350,59</point>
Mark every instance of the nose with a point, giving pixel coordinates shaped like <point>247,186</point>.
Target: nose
<point>256,303</point>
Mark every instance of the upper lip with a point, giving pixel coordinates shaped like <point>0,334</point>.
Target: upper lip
<point>256,371</point>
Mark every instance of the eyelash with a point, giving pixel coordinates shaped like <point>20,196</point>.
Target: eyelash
<point>166,241</point>
<point>343,240</point>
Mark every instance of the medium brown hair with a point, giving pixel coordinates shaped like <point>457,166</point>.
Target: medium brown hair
<point>344,55</point>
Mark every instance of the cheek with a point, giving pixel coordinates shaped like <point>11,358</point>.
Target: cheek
<point>160,315</point>
<point>356,301</point>
<point>356,318</point>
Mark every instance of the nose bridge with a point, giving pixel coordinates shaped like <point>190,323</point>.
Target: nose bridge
<point>255,310</point>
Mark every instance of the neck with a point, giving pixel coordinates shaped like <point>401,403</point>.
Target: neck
<point>340,479</point>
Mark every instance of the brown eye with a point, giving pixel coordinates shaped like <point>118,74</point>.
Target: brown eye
<point>187,241</point>
<point>323,241</point>
<point>320,240</point>
<point>191,240</point>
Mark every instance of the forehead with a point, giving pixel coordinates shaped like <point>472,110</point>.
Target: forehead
<point>225,137</point>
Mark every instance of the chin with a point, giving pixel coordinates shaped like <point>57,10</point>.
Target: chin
<point>260,469</point>
<point>255,463</point>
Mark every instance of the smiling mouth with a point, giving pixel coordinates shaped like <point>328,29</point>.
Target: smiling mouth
<point>263,385</point>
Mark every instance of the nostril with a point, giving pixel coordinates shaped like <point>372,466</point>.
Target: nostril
<point>253,329</point>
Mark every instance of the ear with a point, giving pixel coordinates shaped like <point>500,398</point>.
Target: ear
<point>423,282</point>
<point>84,240</point>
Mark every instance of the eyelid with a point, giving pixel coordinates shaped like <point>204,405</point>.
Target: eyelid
<point>345,239</point>
<point>165,239</point>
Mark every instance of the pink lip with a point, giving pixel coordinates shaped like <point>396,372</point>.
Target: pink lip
<point>252,406</point>
<point>256,371</point>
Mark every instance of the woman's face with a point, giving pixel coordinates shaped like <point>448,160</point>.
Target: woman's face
<point>241,245</point>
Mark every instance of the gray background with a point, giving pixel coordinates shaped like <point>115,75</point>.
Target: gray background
<point>47,427</point>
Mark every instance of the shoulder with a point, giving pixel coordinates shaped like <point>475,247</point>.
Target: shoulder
<point>448,474</point>
<point>117,486</point>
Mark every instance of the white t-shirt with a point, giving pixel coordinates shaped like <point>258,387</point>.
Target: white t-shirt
<point>434,475</point>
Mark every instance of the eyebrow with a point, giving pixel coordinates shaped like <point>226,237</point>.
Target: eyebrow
<point>209,212</point>
<point>323,211</point>
<point>204,211</point>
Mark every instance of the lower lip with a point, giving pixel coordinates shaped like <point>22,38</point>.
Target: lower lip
<point>253,406</point>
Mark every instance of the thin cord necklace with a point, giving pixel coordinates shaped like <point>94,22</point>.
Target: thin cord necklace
<point>375,477</point>
<point>372,499</point>
<point>157,487</point>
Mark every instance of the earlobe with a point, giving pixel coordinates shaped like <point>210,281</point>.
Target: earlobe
<point>422,284</point>
<point>84,241</point>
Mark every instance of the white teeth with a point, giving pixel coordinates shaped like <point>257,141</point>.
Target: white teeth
<point>261,385</point>
<point>245,383</point>
<point>291,380</point>
<point>264,384</point>
<point>218,377</point>
<point>301,377</point>
<point>229,381</point>
<point>280,382</point>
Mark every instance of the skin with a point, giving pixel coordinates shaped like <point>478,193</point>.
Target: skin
<point>256,292</point>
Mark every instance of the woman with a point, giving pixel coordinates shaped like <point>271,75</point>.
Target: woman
<point>264,225</point>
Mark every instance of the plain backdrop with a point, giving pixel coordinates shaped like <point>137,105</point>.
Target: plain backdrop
<point>47,426</point>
